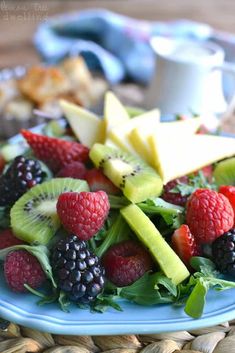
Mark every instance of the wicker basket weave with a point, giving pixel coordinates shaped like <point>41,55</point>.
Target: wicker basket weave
<point>217,339</point>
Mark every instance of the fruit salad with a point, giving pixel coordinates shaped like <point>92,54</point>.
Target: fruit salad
<point>95,209</point>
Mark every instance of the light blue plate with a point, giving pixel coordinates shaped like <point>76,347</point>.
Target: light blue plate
<point>134,319</point>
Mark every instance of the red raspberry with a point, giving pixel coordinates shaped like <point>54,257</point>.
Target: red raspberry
<point>8,239</point>
<point>175,197</point>
<point>84,213</point>
<point>183,242</point>
<point>229,192</point>
<point>208,215</point>
<point>20,267</point>
<point>125,262</point>
<point>98,181</point>
<point>56,153</point>
<point>76,170</point>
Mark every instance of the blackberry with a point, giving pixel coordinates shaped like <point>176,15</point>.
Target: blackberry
<point>21,175</point>
<point>223,252</point>
<point>77,270</point>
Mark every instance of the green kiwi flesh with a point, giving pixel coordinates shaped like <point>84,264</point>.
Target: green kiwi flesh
<point>137,180</point>
<point>161,251</point>
<point>33,217</point>
<point>224,172</point>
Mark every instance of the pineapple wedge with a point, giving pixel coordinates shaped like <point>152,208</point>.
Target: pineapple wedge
<point>139,136</point>
<point>114,112</point>
<point>175,156</point>
<point>87,127</point>
<point>120,134</point>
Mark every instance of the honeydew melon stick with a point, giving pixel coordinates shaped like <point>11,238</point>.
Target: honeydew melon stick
<point>169,262</point>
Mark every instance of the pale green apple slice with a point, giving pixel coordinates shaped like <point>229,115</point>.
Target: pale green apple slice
<point>168,261</point>
<point>177,156</point>
<point>120,134</point>
<point>114,112</point>
<point>139,136</point>
<point>87,127</point>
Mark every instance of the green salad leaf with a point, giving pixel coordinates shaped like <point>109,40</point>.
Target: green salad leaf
<point>119,231</point>
<point>173,215</point>
<point>198,285</point>
<point>146,291</point>
<point>195,181</point>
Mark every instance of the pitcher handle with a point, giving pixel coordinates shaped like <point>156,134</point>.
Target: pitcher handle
<point>230,69</point>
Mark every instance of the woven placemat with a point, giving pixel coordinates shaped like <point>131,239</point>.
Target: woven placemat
<point>217,339</point>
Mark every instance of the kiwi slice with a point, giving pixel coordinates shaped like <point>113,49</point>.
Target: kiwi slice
<point>224,172</point>
<point>33,217</point>
<point>148,234</point>
<point>137,180</point>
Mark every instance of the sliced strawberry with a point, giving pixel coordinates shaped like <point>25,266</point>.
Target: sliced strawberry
<point>56,153</point>
<point>184,244</point>
<point>229,192</point>
<point>98,181</point>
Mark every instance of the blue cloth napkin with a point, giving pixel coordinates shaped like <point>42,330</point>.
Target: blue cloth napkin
<point>114,44</point>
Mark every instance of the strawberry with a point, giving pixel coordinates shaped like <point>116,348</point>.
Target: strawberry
<point>83,213</point>
<point>184,244</point>
<point>56,153</point>
<point>98,181</point>
<point>229,192</point>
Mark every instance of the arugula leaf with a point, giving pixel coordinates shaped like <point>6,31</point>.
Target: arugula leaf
<point>64,302</point>
<point>100,236</point>
<point>117,202</point>
<point>41,252</point>
<point>198,262</point>
<point>118,232</point>
<point>162,280</point>
<point>144,291</point>
<point>172,214</point>
<point>194,182</point>
<point>103,302</point>
<point>197,299</point>
<point>199,284</point>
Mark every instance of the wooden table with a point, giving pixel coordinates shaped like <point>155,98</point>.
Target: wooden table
<point>19,19</point>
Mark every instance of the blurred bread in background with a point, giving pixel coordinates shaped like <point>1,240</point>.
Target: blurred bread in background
<point>41,88</point>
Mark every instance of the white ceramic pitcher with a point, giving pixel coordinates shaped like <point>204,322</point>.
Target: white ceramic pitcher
<point>188,77</point>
